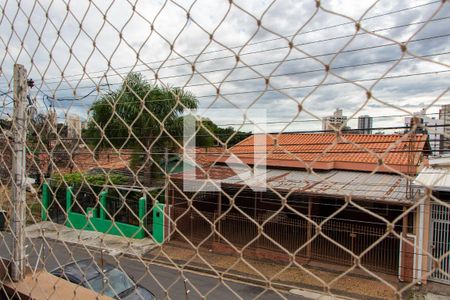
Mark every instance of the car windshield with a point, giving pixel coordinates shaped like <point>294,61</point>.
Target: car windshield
<point>112,283</point>
<point>139,294</point>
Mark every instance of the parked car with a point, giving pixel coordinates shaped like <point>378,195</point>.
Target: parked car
<point>104,279</point>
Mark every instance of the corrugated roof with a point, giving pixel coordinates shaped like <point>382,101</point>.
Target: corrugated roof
<point>435,178</point>
<point>377,187</point>
<point>442,161</point>
<point>327,152</point>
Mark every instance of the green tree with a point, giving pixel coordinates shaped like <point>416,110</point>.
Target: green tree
<point>139,115</point>
<point>228,135</point>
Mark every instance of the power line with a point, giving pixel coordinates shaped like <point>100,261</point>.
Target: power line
<point>52,98</point>
<point>344,132</point>
<point>317,120</point>
<point>264,41</point>
<point>248,53</point>
<point>306,86</point>
<point>302,58</point>
<point>323,84</point>
<point>267,90</point>
<point>351,142</point>
<point>6,94</point>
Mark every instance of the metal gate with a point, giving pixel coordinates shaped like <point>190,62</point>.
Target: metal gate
<point>440,229</point>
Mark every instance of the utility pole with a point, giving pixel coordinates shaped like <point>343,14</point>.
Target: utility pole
<point>19,128</point>
<point>51,130</point>
<point>412,169</point>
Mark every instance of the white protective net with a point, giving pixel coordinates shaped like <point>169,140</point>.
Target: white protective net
<point>224,149</point>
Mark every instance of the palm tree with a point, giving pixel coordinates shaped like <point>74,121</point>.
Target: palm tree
<point>140,115</point>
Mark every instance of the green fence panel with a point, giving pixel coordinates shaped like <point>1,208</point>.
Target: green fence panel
<point>45,202</point>
<point>78,221</point>
<point>117,228</point>
<point>158,222</point>
<point>95,220</point>
<point>81,221</point>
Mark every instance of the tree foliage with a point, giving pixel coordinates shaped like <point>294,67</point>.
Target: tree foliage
<point>77,179</point>
<point>139,115</point>
<point>210,134</point>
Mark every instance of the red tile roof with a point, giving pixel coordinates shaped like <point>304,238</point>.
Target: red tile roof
<point>85,160</point>
<point>361,152</point>
<point>205,172</point>
<point>202,154</point>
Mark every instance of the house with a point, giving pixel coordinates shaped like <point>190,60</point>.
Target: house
<point>434,184</point>
<point>175,163</point>
<point>326,196</point>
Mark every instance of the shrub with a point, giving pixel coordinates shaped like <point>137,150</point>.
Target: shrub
<point>78,178</point>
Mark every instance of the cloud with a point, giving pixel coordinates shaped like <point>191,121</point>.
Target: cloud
<point>73,51</point>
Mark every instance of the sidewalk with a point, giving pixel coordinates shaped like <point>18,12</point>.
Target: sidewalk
<point>113,245</point>
<point>355,285</point>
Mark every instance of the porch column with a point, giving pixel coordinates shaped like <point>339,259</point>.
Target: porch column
<point>170,206</point>
<point>68,206</point>
<point>172,190</point>
<point>426,235</point>
<point>219,213</point>
<point>407,252</point>
<point>142,210</point>
<point>255,203</point>
<point>69,199</point>
<point>309,228</point>
<point>103,208</point>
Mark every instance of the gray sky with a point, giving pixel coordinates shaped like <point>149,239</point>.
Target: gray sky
<point>59,52</point>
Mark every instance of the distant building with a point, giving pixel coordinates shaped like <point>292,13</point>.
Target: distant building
<point>336,121</point>
<point>85,124</point>
<point>365,124</point>
<point>73,127</point>
<point>431,126</point>
<point>444,117</point>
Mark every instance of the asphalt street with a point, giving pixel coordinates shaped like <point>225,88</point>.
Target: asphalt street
<point>165,282</point>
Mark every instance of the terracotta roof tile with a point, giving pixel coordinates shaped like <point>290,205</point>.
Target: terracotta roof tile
<point>325,151</point>
<point>203,154</point>
<point>107,159</point>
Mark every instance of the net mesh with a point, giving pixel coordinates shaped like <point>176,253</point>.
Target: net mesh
<point>190,149</point>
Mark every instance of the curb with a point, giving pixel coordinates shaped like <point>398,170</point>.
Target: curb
<point>283,287</point>
<point>243,277</point>
<point>110,252</point>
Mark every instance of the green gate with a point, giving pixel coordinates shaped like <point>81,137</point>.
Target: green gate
<point>95,219</point>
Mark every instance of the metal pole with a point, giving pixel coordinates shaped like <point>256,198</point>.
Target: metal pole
<point>309,228</point>
<point>19,186</point>
<point>219,214</point>
<point>51,123</point>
